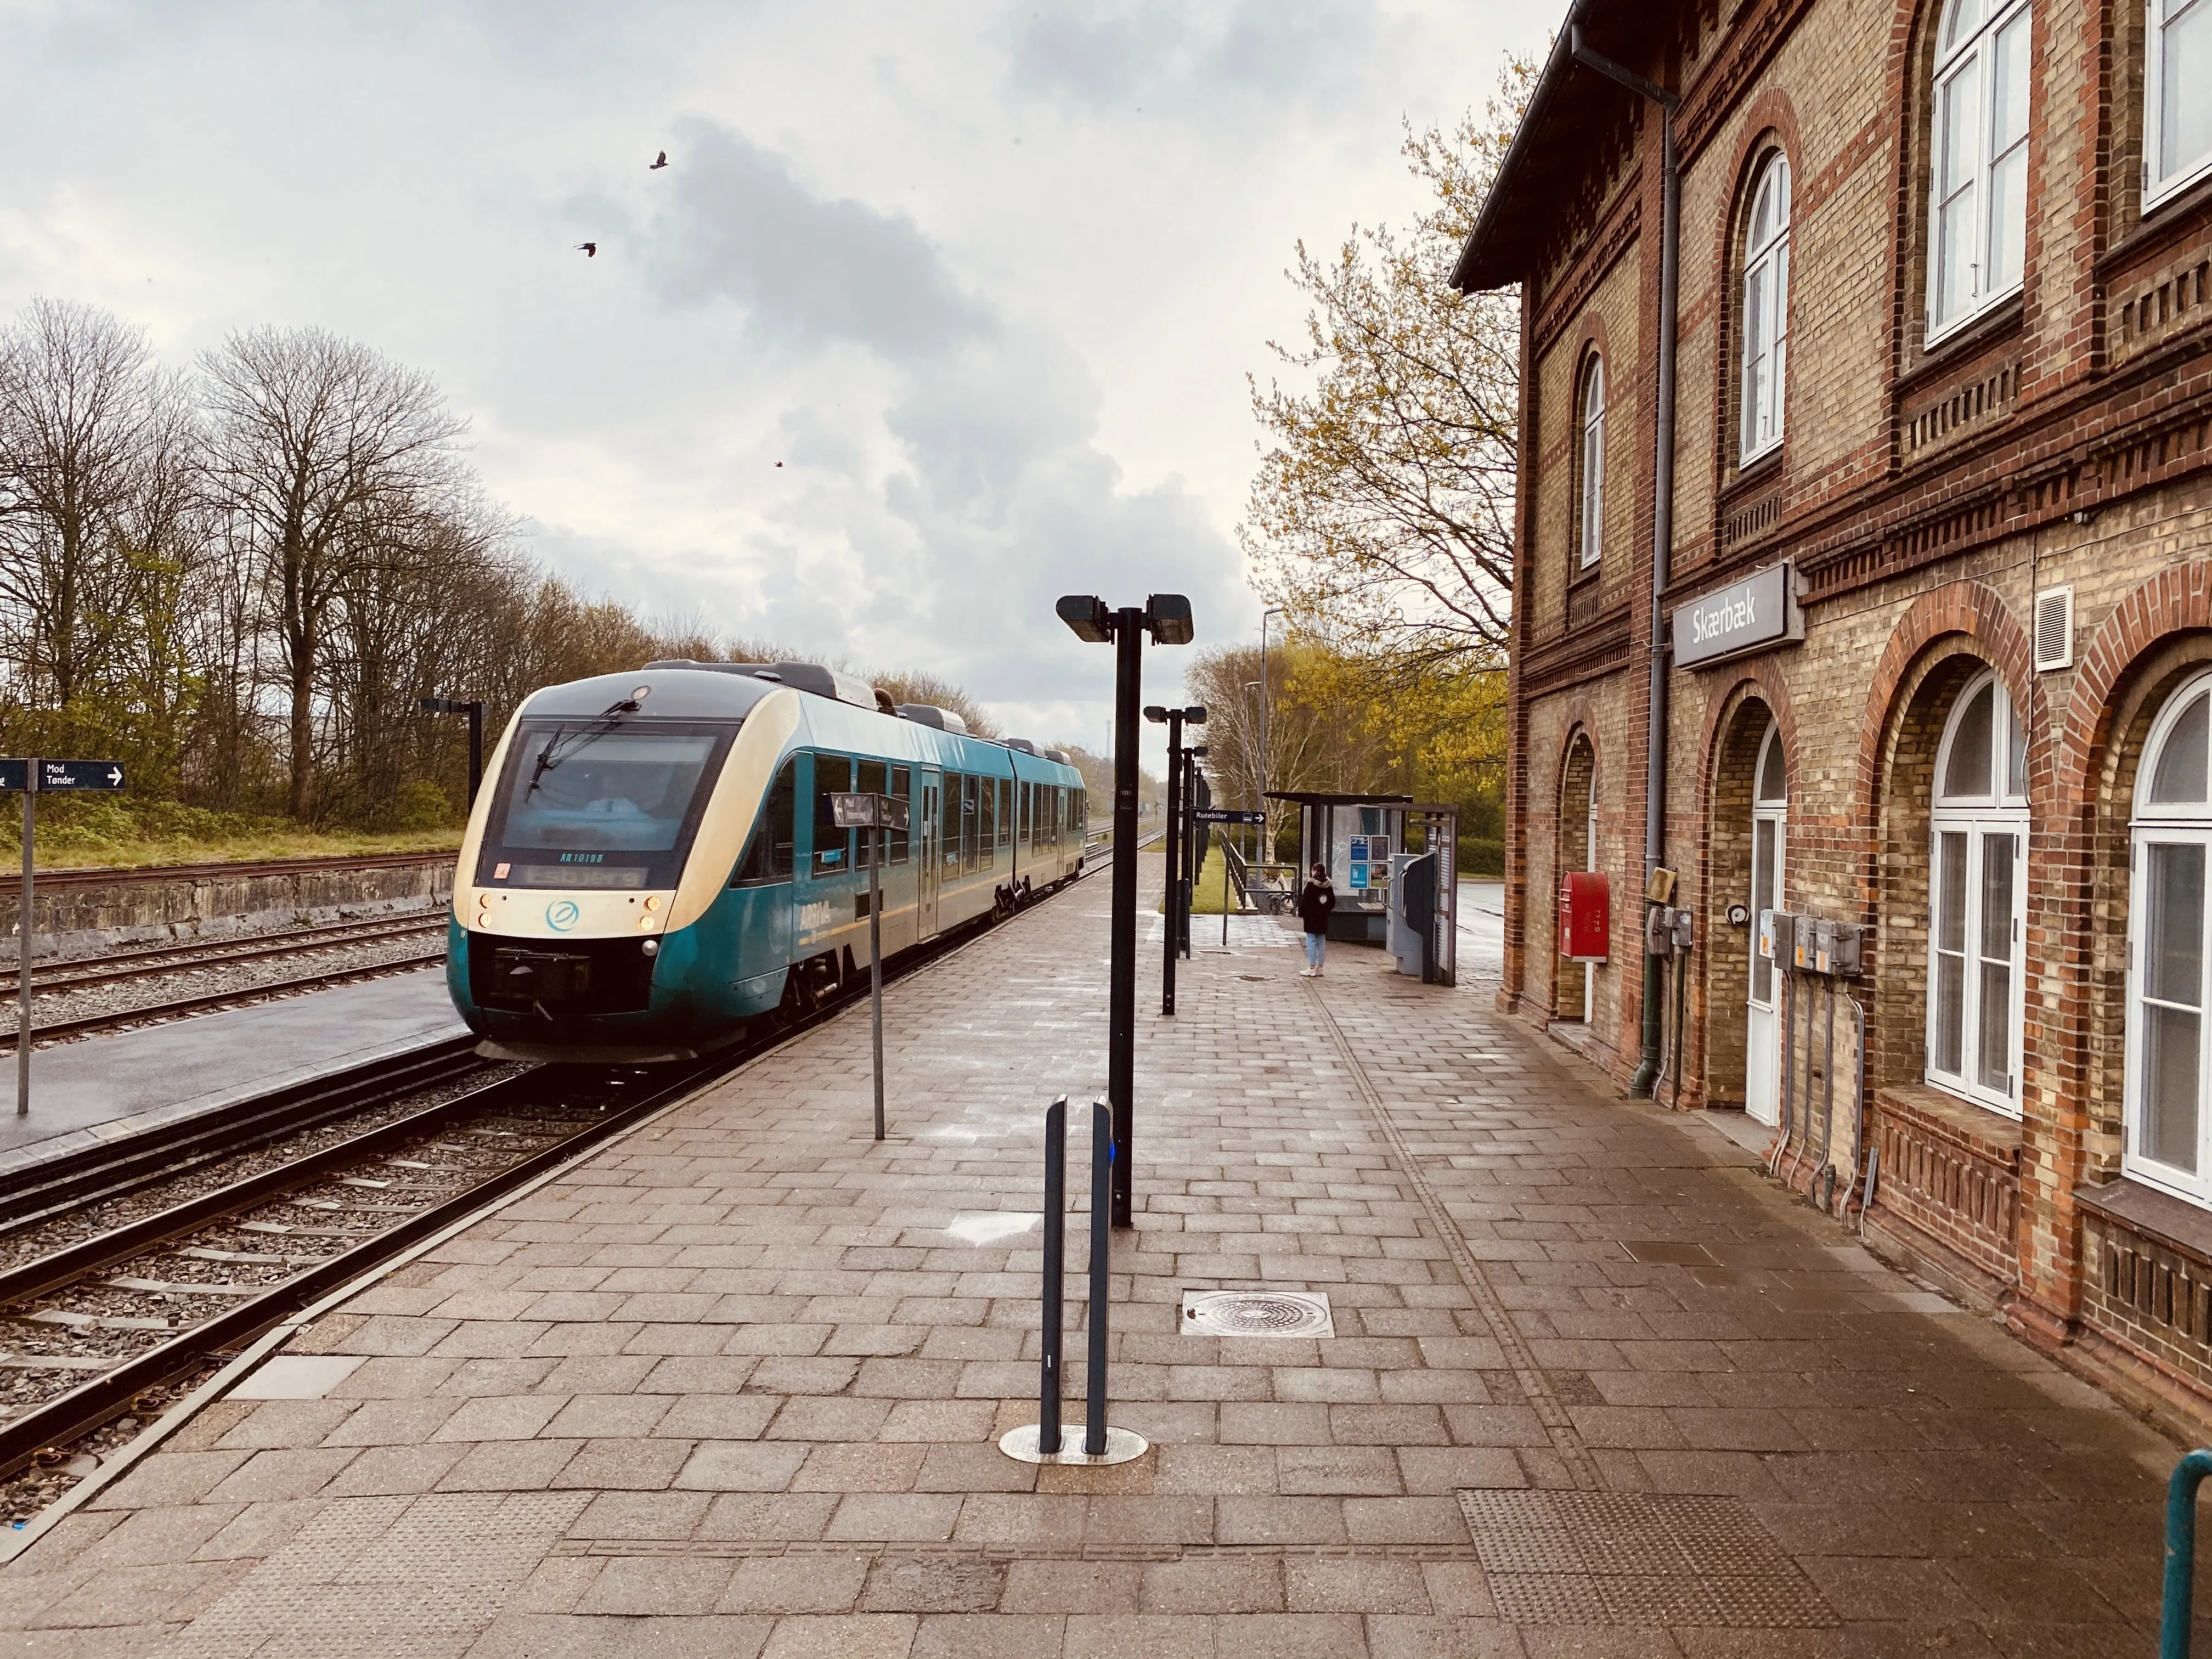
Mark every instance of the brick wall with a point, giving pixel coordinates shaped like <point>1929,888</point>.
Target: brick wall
<point>1925,497</point>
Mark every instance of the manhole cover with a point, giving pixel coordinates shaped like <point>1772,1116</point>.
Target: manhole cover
<point>1256,1312</point>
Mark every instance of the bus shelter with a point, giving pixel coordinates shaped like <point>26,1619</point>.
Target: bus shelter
<point>1395,862</point>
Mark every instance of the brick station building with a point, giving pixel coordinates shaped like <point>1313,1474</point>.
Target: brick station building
<point>1942,551</point>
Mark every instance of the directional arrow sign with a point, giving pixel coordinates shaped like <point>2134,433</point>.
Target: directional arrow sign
<point>62,774</point>
<point>1225,815</point>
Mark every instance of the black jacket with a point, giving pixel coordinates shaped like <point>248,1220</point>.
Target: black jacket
<point>1314,903</point>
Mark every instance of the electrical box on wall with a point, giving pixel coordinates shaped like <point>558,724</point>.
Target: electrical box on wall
<point>1814,945</point>
<point>1585,916</point>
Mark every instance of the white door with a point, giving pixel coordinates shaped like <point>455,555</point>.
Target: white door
<point>1762,1025</point>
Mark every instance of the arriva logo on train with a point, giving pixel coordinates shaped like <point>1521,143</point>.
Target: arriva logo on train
<point>562,914</point>
<point>1761,609</point>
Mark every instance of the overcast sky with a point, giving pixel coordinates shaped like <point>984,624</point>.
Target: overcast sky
<point>985,278</point>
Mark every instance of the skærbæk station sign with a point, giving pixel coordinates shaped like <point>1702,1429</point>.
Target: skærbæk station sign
<point>1751,614</point>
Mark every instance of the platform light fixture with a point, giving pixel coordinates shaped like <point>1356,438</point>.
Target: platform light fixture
<point>1166,618</point>
<point>1177,890</point>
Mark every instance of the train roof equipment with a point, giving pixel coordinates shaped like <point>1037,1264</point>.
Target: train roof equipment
<point>799,676</point>
<point>928,713</point>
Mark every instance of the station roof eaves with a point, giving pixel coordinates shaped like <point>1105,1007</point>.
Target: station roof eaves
<point>1552,144</point>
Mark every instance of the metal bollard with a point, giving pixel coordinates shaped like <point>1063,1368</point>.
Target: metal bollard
<point>2181,1554</point>
<point>1102,1210</point>
<point>1055,1256</point>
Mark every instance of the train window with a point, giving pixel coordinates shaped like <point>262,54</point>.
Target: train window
<point>902,789</point>
<point>1027,828</point>
<point>768,855</point>
<point>833,848</point>
<point>987,826</point>
<point>970,845</point>
<point>872,780</point>
<point>1005,812</point>
<point>951,833</point>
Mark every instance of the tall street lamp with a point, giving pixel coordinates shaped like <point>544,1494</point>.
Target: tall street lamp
<point>1166,617</point>
<point>1175,895</point>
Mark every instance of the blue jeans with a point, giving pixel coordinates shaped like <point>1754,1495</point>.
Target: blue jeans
<point>1316,947</point>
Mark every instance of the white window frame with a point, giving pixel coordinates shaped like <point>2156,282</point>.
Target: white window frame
<point>2165,823</point>
<point>2158,189</point>
<point>1970,64</point>
<point>2003,812</point>
<point>1767,267</point>
<point>1589,518</point>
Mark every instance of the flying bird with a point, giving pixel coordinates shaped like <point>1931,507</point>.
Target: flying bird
<point>659,161</point>
<point>591,250</point>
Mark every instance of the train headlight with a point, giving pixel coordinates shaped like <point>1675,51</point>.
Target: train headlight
<point>653,901</point>
<point>647,924</point>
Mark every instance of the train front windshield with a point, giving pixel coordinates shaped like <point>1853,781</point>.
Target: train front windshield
<point>585,805</point>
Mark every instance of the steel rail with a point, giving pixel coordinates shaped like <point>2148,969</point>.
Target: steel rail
<point>129,1163</point>
<point>74,973</point>
<point>179,1005</point>
<point>124,875</point>
<point>85,1408</point>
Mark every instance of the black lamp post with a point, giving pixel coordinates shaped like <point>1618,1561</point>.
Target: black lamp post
<point>1175,893</point>
<point>475,711</point>
<point>1166,617</point>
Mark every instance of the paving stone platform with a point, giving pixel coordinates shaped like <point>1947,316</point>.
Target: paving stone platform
<point>735,1387</point>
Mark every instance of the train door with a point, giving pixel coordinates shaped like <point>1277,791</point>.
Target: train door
<point>929,855</point>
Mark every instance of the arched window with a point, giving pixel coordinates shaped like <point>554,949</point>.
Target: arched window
<point>2172,840</point>
<point>1766,305</point>
<point>2176,104</point>
<point>1589,532</point>
<point>1977,893</point>
<point>1977,196</point>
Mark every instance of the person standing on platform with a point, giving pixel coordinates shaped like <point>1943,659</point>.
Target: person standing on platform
<point>1314,904</point>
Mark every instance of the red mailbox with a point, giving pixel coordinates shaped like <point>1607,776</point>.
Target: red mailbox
<point>1585,916</point>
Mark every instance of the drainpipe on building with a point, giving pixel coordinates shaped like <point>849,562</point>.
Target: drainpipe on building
<point>1662,531</point>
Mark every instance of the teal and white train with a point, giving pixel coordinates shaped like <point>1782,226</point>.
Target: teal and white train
<point>653,863</point>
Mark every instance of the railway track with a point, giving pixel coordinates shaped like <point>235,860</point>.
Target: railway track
<point>123,875</point>
<point>88,1326</point>
<point>152,961</point>
<point>176,1007</point>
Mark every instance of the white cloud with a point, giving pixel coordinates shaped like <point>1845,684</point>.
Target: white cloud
<point>985,277</point>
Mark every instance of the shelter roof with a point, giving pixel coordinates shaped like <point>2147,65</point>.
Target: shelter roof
<point>1307,798</point>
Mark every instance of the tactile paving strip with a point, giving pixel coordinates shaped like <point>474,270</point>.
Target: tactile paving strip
<point>1637,1560</point>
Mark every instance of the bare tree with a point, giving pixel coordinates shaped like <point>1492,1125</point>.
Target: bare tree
<point>319,445</point>
<point>76,384</point>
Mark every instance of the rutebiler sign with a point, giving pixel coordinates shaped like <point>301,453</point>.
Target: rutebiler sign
<point>1759,610</point>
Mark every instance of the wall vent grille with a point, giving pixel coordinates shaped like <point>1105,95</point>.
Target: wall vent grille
<point>2054,630</point>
